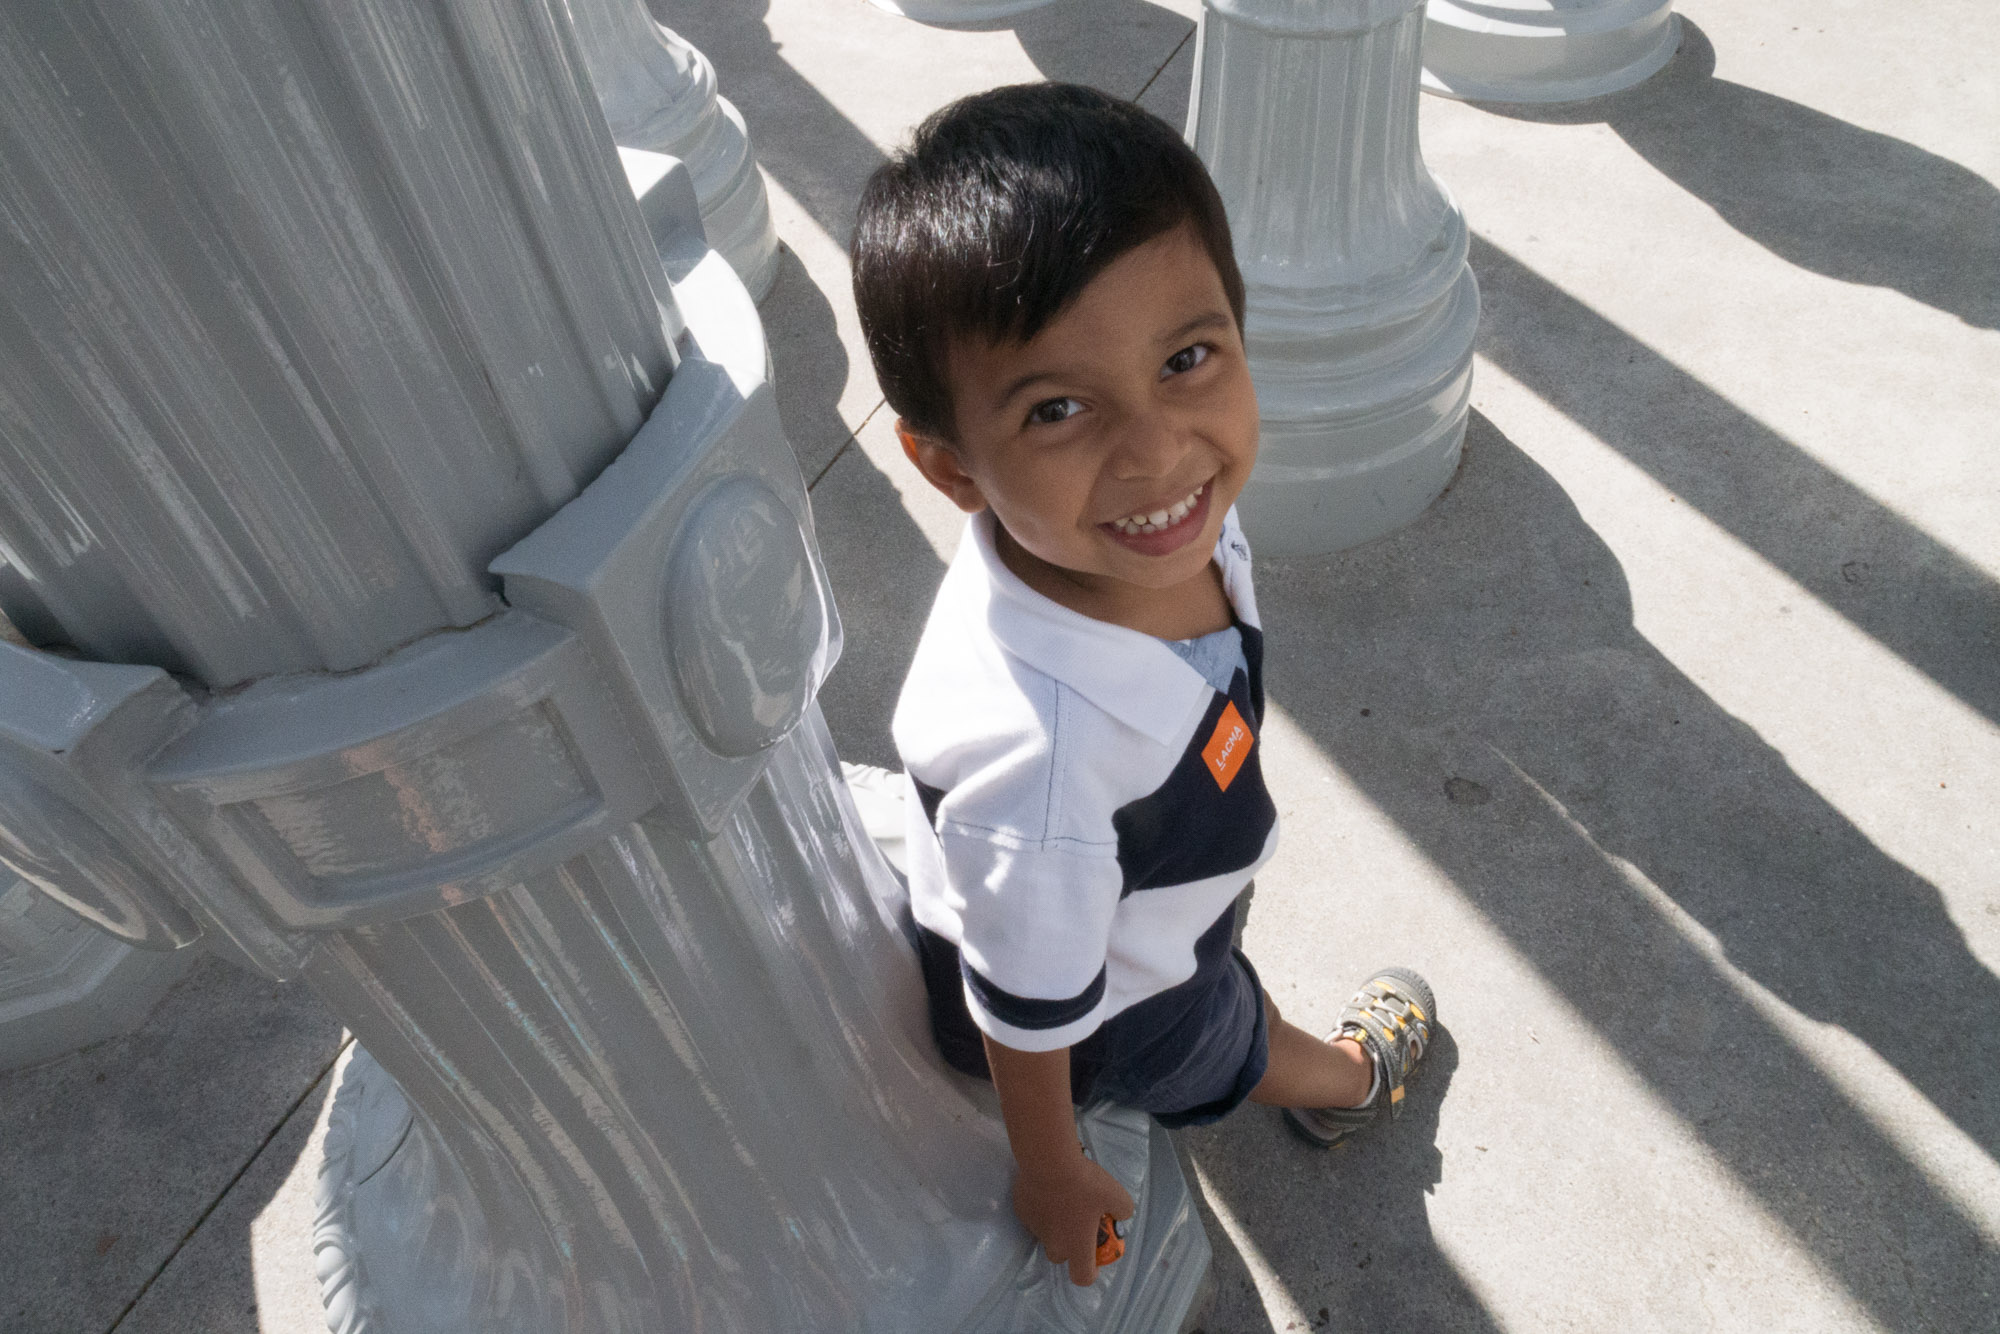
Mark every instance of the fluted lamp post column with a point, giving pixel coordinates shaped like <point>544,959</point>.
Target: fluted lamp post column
<point>1362,309</point>
<point>1545,50</point>
<point>658,94</point>
<point>421,599</point>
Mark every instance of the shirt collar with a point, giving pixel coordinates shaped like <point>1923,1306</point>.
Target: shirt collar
<point>1120,670</point>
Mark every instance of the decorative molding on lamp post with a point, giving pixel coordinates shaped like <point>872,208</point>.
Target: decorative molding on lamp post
<point>459,623</point>
<point>1362,308</point>
<point>659,96</point>
<point>1545,50</point>
<point>957,11</point>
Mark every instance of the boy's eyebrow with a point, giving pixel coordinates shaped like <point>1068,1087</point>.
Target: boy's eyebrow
<point>1208,319</point>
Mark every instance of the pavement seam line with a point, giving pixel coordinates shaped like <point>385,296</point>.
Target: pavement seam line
<point>852,437</point>
<point>230,1185</point>
<point>1164,63</point>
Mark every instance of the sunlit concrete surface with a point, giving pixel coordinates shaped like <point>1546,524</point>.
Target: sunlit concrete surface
<point>1667,743</point>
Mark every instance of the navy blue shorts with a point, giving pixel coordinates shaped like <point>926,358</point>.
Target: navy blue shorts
<point>1188,1055</point>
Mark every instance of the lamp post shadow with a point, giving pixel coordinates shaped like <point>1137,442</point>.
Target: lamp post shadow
<point>1383,1268</point>
<point>1493,645</point>
<point>1815,190</point>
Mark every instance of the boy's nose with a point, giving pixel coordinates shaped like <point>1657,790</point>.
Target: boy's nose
<point>1152,444</point>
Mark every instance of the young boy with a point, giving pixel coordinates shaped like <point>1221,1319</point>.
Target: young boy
<point>1053,308</point>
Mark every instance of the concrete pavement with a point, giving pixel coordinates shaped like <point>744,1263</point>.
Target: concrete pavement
<point>1667,743</point>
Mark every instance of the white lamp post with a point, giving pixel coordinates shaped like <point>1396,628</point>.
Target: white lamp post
<point>1362,309</point>
<point>342,382</point>
<point>1545,50</point>
<point>658,94</point>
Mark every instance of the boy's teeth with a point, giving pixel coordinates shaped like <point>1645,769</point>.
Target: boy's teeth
<point>1159,519</point>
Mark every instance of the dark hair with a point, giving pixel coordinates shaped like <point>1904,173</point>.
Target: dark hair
<point>1004,206</point>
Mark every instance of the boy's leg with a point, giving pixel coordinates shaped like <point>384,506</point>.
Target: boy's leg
<point>1357,1072</point>
<point>1306,1071</point>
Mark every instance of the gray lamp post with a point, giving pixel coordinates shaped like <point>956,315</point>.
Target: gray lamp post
<point>425,603</point>
<point>1362,309</point>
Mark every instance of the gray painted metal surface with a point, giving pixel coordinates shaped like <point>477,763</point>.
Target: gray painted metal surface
<point>265,407</point>
<point>659,96</point>
<point>571,854</point>
<point>1362,308</point>
<point>1545,50</point>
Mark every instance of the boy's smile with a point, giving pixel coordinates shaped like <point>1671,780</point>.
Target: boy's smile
<point>1110,446</point>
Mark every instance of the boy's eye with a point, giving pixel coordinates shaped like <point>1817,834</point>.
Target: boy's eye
<point>1051,411</point>
<point>1184,360</point>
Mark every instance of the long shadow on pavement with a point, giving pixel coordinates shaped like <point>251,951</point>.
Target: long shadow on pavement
<point>1920,599</point>
<point>809,365</point>
<point>1815,190</point>
<point>1493,645</point>
<point>805,141</point>
<point>1120,46</point>
<point>1383,1270</point>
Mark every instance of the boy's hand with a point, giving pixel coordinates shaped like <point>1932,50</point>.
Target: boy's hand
<point>1061,1201</point>
<point>1059,1194</point>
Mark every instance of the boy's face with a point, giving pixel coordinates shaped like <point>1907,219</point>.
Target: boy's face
<point>1111,445</point>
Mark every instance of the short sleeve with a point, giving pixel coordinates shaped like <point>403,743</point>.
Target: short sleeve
<point>1035,927</point>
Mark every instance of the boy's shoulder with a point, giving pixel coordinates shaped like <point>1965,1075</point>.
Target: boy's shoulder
<point>1040,721</point>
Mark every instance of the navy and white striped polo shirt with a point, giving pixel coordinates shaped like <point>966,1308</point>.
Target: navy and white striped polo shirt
<point>1087,805</point>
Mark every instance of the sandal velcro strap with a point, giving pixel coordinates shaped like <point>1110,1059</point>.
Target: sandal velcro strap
<point>1390,1016</point>
<point>1369,1031</point>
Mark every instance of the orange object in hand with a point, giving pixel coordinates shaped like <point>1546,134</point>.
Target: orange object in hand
<point>1110,1241</point>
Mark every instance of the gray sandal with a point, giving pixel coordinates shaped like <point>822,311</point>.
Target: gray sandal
<point>1391,1016</point>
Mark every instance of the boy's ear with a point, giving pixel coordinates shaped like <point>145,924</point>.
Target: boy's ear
<point>941,467</point>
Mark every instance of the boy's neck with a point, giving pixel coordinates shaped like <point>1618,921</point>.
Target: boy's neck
<point>1188,610</point>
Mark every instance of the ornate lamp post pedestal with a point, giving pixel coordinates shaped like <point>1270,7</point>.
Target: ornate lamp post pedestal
<point>442,623</point>
<point>1545,50</point>
<point>1362,308</point>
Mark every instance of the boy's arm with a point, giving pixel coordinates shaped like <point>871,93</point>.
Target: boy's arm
<point>1059,1194</point>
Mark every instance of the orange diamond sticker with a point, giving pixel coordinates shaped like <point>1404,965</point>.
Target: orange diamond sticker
<point>1228,748</point>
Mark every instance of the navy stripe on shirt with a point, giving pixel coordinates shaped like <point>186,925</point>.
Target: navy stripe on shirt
<point>1027,1011</point>
<point>1187,829</point>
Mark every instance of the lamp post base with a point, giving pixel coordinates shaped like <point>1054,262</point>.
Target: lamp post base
<point>400,1241</point>
<point>1536,51</point>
